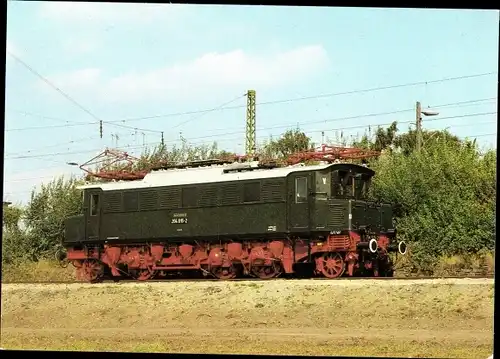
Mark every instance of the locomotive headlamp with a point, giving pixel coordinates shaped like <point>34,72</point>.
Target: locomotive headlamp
<point>373,245</point>
<point>402,247</point>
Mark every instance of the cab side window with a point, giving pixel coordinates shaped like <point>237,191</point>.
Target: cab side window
<point>337,190</point>
<point>349,185</point>
<point>359,186</point>
<point>94,204</point>
<point>301,190</point>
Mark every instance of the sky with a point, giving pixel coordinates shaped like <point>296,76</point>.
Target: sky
<point>146,66</point>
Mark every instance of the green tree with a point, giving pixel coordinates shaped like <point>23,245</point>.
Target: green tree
<point>292,141</point>
<point>45,214</point>
<point>407,142</point>
<point>382,139</point>
<point>446,195</point>
<point>13,239</point>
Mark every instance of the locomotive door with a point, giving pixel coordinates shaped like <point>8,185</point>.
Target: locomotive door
<point>92,210</point>
<point>298,201</point>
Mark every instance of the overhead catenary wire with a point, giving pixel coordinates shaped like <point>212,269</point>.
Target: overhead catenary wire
<point>452,104</point>
<point>161,132</point>
<point>222,106</point>
<point>72,100</point>
<point>314,131</point>
<point>209,111</point>
<point>272,102</point>
<point>381,88</point>
<point>60,164</point>
<point>263,103</point>
<point>342,119</point>
<point>276,127</point>
<point>52,85</point>
<point>79,140</point>
<point>466,102</point>
<point>199,143</point>
<point>368,115</point>
<point>347,128</point>
<point>71,124</point>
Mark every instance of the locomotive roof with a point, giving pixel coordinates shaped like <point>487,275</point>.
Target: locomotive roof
<point>212,174</point>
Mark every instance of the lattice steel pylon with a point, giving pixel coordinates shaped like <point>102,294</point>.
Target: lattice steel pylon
<point>250,147</point>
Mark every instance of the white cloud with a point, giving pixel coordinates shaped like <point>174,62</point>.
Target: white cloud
<point>212,72</point>
<point>96,11</point>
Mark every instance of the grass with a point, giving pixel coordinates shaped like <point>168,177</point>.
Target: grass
<point>41,271</point>
<point>440,319</point>
<point>482,263</point>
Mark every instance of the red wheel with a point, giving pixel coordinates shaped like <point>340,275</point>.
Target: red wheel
<point>267,272</point>
<point>224,273</point>
<point>331,265</point>
<point>91,270</point>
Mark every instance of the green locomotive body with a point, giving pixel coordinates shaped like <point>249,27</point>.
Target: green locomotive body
<point>254,218</point>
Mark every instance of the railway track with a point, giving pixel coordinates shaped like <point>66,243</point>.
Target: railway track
<point>186,280</point>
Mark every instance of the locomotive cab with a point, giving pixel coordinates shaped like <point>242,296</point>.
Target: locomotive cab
<point>85,227</point>
<point>340,201</point>
<point>331,205</point>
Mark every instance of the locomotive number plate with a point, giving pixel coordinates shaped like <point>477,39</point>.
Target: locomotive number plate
<point>179,218</point>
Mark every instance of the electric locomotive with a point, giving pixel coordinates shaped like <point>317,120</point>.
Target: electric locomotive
<point>231,220</point>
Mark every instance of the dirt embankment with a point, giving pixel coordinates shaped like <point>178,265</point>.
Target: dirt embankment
<point>452,318</point>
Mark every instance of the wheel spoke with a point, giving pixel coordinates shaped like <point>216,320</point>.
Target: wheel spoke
<point>91,270</point>
<point>266,272</point>
<point>331,265</point>
<point>224,273</point>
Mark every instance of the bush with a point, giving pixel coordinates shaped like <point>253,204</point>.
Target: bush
<point>446,196</point>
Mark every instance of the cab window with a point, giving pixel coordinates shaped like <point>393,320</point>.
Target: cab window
<point>301,190</point>
<point>336,185</point>
<point>348,184</point>
<point>359,186</point>
<point>94,204</point>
